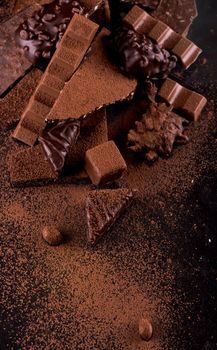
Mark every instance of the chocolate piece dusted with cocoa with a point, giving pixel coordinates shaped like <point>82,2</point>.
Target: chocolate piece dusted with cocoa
<point>57,139</point>
<point>29,167</point>
<point>157,132</point>
<point>13,64</point>
<point>150,4</point>
<point>177,14</point>
<point>65,61</point>
<point>188,102</point>
<point>97,82</point>
<point>143,23</point>
<point>40,34</point>
<point>140,57</point>
<point>145,329</point>
<point>103,208</point>
<point>91,135</point>
<point>104,163</point>
<point>52,235</point>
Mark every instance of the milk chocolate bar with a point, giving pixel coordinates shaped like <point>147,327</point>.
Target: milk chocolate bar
<point>178,15</point>
<point>97,82</point>
<point>41,33</point>
<point>13,64</point>
<point>143,23</point>
<point>189,102</point>
<point>65,61</point>
<point>30,167</point>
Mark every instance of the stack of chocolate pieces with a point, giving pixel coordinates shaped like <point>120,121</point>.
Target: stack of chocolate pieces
<point>67,122</point>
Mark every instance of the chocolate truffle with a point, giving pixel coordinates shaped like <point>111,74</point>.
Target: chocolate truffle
<point>52,235</point>
<point>104,163</point>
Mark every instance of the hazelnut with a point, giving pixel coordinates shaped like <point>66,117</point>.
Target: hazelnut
<point>52,235</point>
<point>145,329</point>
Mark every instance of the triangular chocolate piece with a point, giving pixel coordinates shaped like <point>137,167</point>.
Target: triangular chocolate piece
<point>103,208</point>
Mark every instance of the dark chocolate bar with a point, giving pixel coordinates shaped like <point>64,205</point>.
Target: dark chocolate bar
<point>65,61</point>
<point>143,23</point>
<point>189,102</point>
<point>13,64</point>
<point>104,163</point>
<point>41,33</point>
<point>103,208</point>
<point>177,14</point>
<point>97,82</point>
<point>30,167</point>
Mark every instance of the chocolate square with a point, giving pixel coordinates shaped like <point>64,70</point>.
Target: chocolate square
<point>104,163</point>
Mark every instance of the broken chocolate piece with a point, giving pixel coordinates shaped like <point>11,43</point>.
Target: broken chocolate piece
<point>104,163</point>
<point>177,14</point>
<point>13,64</point>
<point>103,208</point>
<point>52,235</point>
<point>57,139</point>
<point>188,102</point>
<point>143,23</point>
<point>40,34</point>
<point>29,167</point>
<point>157,131</point>
<point>138,56</point>
<point>96,83</point>
<point>65,61</point>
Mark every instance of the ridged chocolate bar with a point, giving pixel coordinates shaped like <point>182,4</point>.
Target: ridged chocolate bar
<point>140,21</point>
<point>65,61</point>
<point>189,102</point>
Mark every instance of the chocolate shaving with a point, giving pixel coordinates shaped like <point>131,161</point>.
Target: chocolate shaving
<point>57,140</point>
<point>139,56</point>
<point>40,34</point>
<point>157,132</point>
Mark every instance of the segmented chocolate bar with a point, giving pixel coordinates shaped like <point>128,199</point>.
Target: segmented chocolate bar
<point>140,21</point>
<point>189,102</point>
<point>65,61</point>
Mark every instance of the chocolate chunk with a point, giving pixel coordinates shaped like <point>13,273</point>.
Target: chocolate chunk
<point>103,208</point>
<point>140,21</point>
<point>43,26</point>
<point>177,14</point>
<point>62,66</point>
<point>96,83</point>
<point>104,163</point>
<point>57,139</point>
<point>29,167</point>
<point>188,102</point>
<point>145,329</point>
<point>157,132</point>
<point>52,235</point>
<point>12,62</point>
<point>138,56</point>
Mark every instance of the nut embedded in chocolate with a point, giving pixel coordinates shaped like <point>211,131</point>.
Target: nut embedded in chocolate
<point>104,163</point>
<point>139,56</point>
<point>41,33</point>
<point>52,235</point>
<point>145,329</point>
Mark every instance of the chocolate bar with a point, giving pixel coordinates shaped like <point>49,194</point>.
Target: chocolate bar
<point>189,102</point>
<point>65,61</point>
<point>178,15</point>
<point>12,62</point>
<point>96,83</point>
<point>104,163</point>
<point>30,167</point>
<point>41,33</point>
<point>103,208</point>
<point>143,23</point>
